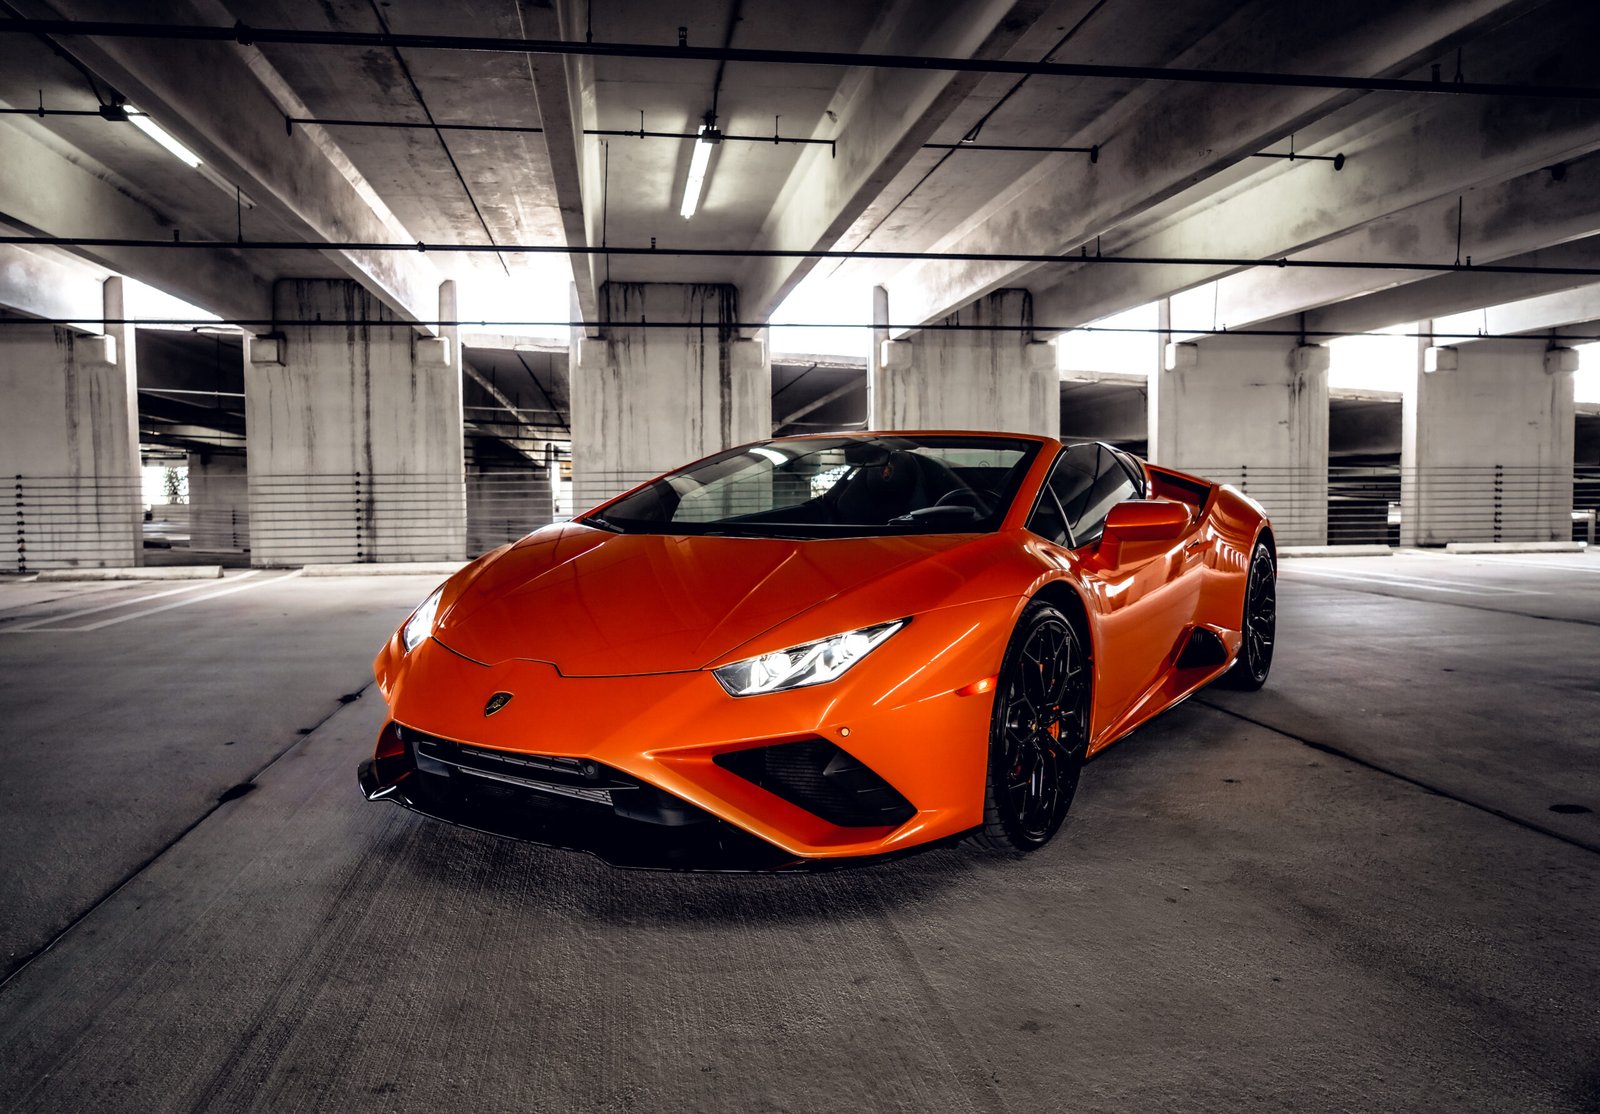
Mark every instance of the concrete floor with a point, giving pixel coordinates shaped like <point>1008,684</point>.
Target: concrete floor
<point>1347,892</point>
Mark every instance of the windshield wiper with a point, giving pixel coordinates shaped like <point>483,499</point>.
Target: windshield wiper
<point>601,524</point>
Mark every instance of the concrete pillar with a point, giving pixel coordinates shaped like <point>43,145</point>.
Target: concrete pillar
<point>219,503</point>
<point>979,379</point>
<point>648,399</point>
<point>69,445</point>
<point>354,432</point>
<point>1487,444</point>
<point>1253,412</point>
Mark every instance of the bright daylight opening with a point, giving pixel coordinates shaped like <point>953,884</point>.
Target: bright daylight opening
<point>824,317</point>
<point>145,303</point>
<point>1586,380</point>
<point>537,302</point>
<point>1091,350</point>
<point>1381,361</point>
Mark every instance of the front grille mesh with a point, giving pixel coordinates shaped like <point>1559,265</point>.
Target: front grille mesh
<point>824,780</point>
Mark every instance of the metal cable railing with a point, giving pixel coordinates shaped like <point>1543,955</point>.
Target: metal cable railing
<point>305,519</point>
<point>1389,505</point>
<point>64,521</point>
<point>504,506</point>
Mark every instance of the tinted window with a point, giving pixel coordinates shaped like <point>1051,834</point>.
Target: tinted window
<point>1087,481</point>
<point>1046,520</point>
<point>832,486</point>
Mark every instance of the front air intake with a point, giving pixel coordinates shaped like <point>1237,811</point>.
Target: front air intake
<point>824,780</point>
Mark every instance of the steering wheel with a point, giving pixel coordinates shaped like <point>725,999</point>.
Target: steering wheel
<point>978,499</point>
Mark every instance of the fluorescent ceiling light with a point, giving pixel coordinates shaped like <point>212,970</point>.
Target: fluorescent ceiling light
<point>710,136</point>
<point>155,132</point>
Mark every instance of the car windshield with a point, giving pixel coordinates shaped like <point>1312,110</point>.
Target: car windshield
<point>832,487</point>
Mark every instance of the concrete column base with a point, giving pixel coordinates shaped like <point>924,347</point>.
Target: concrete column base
<point>981,379</point>
<point>69,446</point>
<point>355,434</point>
<point>1252,412</point>
<point>1487,446</point>
<point>651,398</point>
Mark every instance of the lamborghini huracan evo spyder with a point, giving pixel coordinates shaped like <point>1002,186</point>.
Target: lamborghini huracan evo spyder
<point>825,648</point>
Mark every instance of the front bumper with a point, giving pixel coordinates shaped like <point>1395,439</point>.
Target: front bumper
<point>908,714</point>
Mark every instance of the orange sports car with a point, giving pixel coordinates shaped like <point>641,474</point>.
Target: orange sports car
<point>819,649</point>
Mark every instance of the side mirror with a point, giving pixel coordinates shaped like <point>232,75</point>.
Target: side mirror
<point>1147,520</point>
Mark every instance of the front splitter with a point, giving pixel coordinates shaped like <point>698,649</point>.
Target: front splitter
<point>711,847</point>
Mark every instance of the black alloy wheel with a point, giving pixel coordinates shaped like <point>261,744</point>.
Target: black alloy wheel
<point>1259,630</point>
<point>1039,732</point>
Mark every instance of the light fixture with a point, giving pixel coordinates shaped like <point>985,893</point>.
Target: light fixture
<point>156,132</point>
<point>142,121</point>
<point>710,135</point>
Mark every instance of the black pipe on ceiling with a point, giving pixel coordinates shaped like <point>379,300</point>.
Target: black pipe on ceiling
<point>514,129</point>
<point>1079,257</point>
<point>247,35</point>
<point>1542,336</point>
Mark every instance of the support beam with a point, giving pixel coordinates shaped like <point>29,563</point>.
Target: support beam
<point>298,175</point>
<point>49,194</point>
<point>35,284</point>
<point>1410,161</point>
<point>1454,293</point>
<point>1163,138</point>
<point>1499,222</point>
<point>565,90</point>
<point>881,118</point>
<point>817,404</point>
<point>1528,315</point>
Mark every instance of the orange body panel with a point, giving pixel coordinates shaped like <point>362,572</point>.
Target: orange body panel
<point>607,641</point>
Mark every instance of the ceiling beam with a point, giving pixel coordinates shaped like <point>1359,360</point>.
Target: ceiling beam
<point>564,87</point>
<point>1409,161</point>
<point>881,119</point>
<point>40,285</point>
<point>1163,138</point>
<point>1499,222</point>
<point>43,190</point>
<point>1527,315</point>
<point>298,175</point>
<point>1449,294</point>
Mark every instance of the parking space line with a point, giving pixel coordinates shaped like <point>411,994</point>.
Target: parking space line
<point>1423,585</point>
<point>195,587</point>
<point>1559,566</point>
<point>69,593</point>
<point>186,603</point>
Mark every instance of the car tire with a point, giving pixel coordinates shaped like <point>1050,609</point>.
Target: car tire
<point>1039,732</point>
<point>1258,628</point>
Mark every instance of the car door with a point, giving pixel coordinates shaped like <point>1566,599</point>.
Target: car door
<point>1145,601</point>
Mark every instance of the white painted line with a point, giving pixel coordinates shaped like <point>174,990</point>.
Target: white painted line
<point>390,568</point>
<point>70,593</point>
<point>1569,566</point>
<point>1423,585</point>
<point>142,572</point>
<point>183,603</point>
<point>194,587</point>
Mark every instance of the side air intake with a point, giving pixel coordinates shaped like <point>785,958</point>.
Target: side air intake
<point>822,779</point>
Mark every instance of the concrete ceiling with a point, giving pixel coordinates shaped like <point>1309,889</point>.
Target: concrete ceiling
<point>1176,172</point>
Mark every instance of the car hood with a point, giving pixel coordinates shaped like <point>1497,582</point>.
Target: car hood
<point>596,604</point>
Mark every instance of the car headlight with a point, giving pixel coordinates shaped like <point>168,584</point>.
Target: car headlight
<point>811,663</point>
<point>420,625</point>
